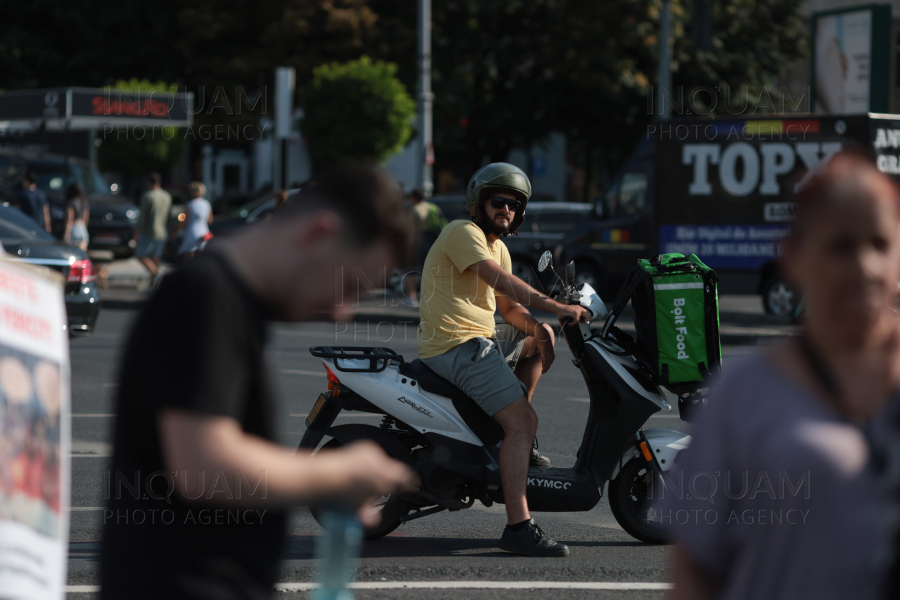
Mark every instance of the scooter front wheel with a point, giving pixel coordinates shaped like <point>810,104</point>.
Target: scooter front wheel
<point>631,500</point>
<point>391,509</point>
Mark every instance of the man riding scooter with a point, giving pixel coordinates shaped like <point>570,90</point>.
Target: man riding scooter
<point>466,277</point>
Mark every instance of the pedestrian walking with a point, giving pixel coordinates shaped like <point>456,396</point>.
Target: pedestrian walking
<point>783,495</point>
<point>150,233</point>
<point>77,215</point>
<point>31,200</point>
<point>195,409</point>
<point>196,224</point>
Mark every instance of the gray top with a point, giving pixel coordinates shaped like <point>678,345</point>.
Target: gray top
<point>155,206</point>
<point>779,497</point>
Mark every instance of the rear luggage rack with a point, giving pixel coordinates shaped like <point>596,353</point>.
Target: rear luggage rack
<point>378,358</point>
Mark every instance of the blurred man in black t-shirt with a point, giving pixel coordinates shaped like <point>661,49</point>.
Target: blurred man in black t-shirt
<point>198,488</point>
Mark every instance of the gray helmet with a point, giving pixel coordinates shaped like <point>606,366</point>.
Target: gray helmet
<point>501,177</point>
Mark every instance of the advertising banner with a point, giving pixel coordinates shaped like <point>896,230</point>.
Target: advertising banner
<point>34,433</point>
<point>725,246</point>
<point>746,172</point>
<point>92,108</point>
<point>851,58</point>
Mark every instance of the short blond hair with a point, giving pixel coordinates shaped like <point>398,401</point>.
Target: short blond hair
<point>197,190</point>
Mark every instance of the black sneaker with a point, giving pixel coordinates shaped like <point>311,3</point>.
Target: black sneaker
<point>537,459</point>
<point>531,541</point>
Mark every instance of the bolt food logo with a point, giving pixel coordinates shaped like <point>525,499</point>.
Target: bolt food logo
<point>681,331</point>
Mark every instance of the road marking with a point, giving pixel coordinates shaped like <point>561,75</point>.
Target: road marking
<point>321,373</point>
<point>451,585</point>
<point>93,415</point>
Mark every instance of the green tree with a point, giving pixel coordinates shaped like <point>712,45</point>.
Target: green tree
<point>135,152</point>
<point>356,110</point>
<point>752,41</point>
<point>508,72</point>
<point>49,43</point>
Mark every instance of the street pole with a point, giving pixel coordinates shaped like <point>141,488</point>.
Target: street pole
<point>426,98</point>
<point>665,61</point>
<point>284,111</point>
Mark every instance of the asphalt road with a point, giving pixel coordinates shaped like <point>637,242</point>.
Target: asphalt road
<point>447,547</point>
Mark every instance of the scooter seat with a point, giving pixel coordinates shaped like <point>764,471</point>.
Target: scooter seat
<point>483,425</point>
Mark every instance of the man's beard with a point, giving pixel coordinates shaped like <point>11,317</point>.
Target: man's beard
<point>498,227</point>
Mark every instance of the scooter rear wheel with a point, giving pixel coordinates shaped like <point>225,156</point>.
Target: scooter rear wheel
<point>630,498</point>
<point>392,510</point>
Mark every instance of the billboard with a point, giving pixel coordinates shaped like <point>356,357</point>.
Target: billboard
<point>34,433</point>
<point>89,108</point>
<point>726,192</point>
<point>851,60</point>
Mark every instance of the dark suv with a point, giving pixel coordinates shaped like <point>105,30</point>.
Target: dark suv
<point>545,226</point>
<point>112,217</point>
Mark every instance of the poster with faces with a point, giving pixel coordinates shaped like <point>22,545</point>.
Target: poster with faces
<point>34,433</point>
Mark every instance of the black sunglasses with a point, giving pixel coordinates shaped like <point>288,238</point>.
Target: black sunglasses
<point>499,202</point>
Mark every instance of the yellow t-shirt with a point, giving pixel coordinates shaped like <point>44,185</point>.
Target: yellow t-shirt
<point>455,304</point>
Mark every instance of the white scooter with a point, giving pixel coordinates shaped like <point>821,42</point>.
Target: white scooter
<point>453,444</point>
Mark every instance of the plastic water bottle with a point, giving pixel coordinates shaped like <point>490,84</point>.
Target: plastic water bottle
<point>336,552</point>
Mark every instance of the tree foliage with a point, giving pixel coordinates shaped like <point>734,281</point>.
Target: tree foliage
<point>135,151</point>
<point>506,72</point>
<point>356,110</point>
<point>49,43</point>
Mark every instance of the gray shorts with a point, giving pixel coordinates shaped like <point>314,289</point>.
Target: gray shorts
<point>78,234</point>
<point>147,247</point>
<point>483,368</point>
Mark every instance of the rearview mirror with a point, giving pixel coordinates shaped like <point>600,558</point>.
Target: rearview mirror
<point>545,261</point>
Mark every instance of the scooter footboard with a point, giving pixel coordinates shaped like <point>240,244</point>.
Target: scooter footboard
<point>561,490</point>
<point>665,444</point>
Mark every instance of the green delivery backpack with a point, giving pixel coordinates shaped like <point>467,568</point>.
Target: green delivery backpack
<point>676,317</point>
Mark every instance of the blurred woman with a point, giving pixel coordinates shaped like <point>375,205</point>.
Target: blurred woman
<point>77,214</point>
<point>781,496</point>
<point>196,223</point>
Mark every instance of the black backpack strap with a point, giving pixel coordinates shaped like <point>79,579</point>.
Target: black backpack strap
<point>623,341</point>
<point>622,299</point>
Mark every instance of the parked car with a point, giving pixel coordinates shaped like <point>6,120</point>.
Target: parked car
<point>244,215</point>
<point>25,240</point>
<point>453,207</point>
<point>545,226</point>
<point>112,217</point>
